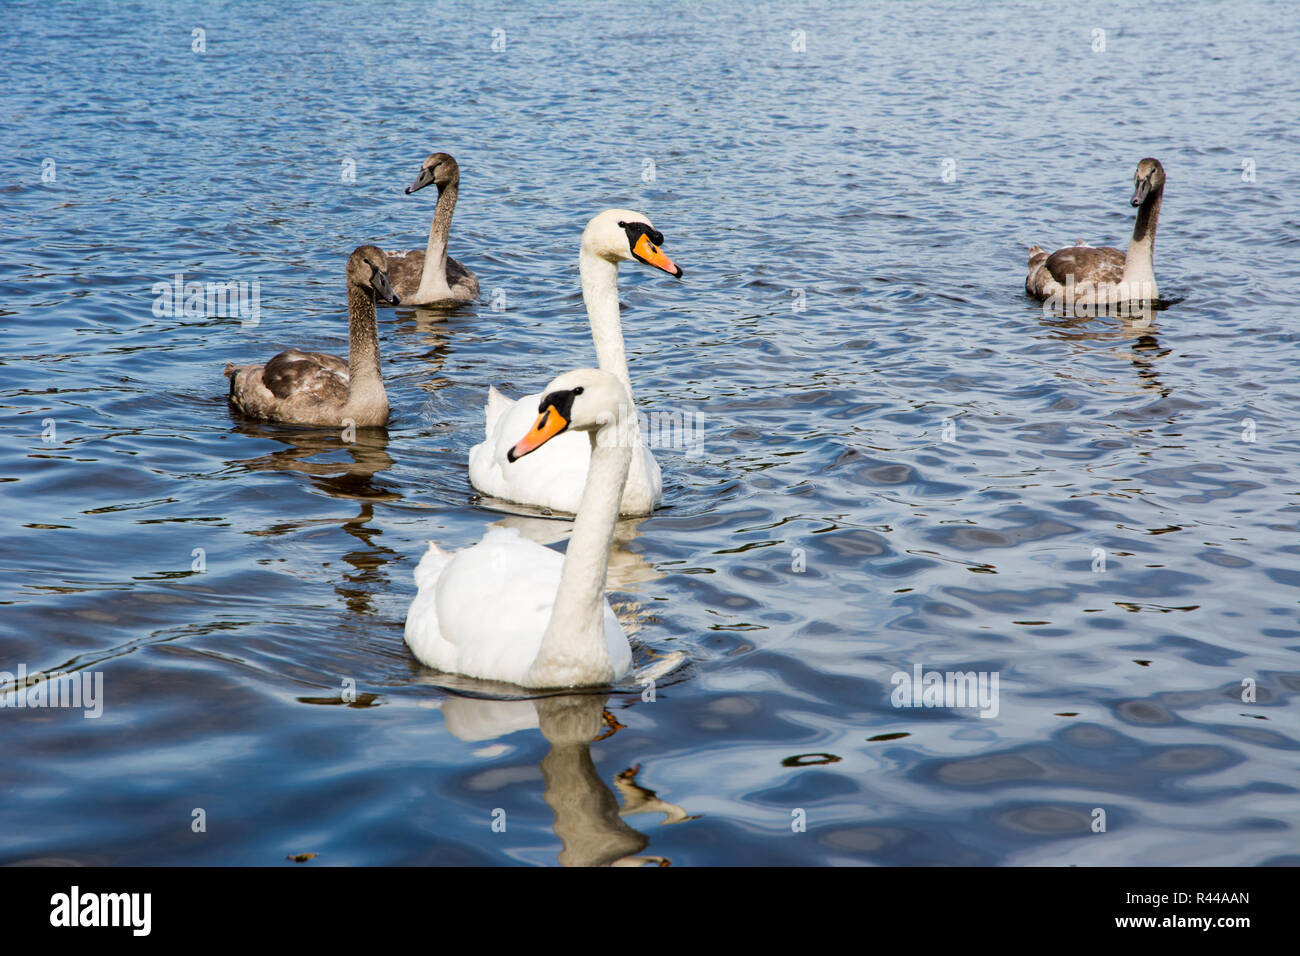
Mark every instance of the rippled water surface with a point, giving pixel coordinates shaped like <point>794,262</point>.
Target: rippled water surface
<point>905,461</point>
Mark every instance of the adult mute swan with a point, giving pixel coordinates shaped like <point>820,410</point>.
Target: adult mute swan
<point>1084,275</point>
<point>553,477</point>
<point>312,388</point>
<point>509,609</point>
<point>429,276</point>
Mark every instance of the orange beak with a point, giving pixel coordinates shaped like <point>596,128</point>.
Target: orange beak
<point>549,424</point>
<point>652,255</point>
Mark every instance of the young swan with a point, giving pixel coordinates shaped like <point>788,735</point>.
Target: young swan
<point>312,388</point>
<point>509,609</point>
<point>1083,275</point>
<point>429,276</point>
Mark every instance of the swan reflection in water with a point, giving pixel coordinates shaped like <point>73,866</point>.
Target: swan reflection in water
<point>588,818</point>
<point>344,469</point>
<point>1135,324</point>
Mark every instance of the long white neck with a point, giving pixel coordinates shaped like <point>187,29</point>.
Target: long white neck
<point>433,280</point>
<point>573,650</point>
<point>1139,261</point>
<point>600,295</point>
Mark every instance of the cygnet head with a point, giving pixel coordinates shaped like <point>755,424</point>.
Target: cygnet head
<point>440,169</point>
<point>368,269</point>
<point>1149,178</point>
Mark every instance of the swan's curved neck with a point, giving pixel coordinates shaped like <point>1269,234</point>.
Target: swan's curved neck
<point>433,279</point>
<point>573,650</point>
<point>367,401</point>
<point>600,294</point>
<point>363,337</point>
<point>1139,261</point>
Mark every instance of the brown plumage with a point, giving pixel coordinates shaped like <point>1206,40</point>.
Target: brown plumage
<point>1096,264</point>
<point>313,388</point>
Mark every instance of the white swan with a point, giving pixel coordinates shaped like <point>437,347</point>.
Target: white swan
<point>1084,275</point>
<point>553,478</point>
<point>508,609</point>
<point>429,276</point>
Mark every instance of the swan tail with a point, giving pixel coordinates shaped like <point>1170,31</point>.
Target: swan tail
<point>422,631</point>
<point>497,405</point>
<point>231,372</point>
<point>431,567</point>
<point>1037,262</point>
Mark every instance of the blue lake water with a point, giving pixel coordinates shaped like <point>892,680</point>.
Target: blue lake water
<point>906,463</point>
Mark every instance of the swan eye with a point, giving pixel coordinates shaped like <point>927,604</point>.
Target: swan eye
<point>578,390</point>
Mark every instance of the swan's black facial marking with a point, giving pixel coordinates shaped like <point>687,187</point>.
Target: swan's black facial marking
<point>1149,179</point>
<point>423,179</point>
<point>562,402</point>
<point>1141,190</point>
<point>643,242</point>
<point>383,288</point>
<point>553,418</point>
<point>635,230</point>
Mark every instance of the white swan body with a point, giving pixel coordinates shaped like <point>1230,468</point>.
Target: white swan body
<point>553,476</point>
<point>491,633</point>
<point>509,609</point>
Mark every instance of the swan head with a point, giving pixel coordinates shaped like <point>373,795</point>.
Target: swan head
<point>584,400</point>
<point>368,269</point>
<point>1149,178</point>
<point>617,235</point>
<point>440,169</point>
